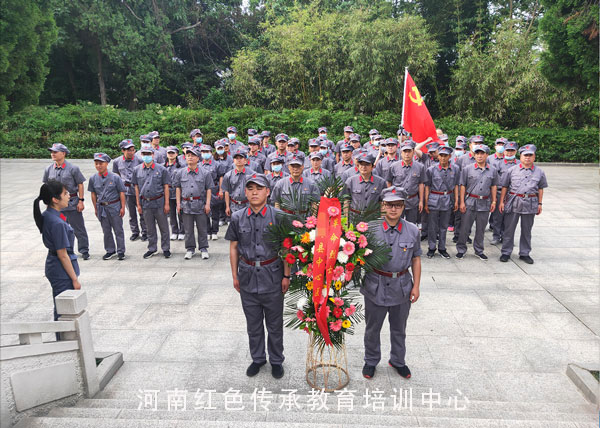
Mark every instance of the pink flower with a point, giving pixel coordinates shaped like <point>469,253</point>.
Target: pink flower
<point>338,271</point>
<point>335,325</point>
<point>362,227</point>
<point>350,235</point>
<point>300,314</point>
<point>297,248</point>
<point>368,251</point>
<point>327,311</point>
<point>297,223</point>
<point>311,222</point>
<point>333,211</point>
<point>338,302</point>
<point>349,247</point>
<point>350,310</point>
<point>348,275</point>
<point>362,241</point>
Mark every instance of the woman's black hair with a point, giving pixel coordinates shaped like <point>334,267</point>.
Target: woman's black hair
<point>49,190</point>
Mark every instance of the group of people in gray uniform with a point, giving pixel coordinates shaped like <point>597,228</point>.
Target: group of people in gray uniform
<point>424,190</point>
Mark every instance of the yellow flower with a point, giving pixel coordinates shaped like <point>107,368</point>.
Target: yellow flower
<point>346,323</point>
<point>337,285</point>
<point>305,239</point>
<point>309,285</point>
<point>332,300</point>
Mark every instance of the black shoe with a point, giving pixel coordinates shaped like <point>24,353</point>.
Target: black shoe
<point>253,369</point>
<point>444,254</point>
<point>469,241</point>
<point>85,256</point>
<point>149,254</point>
<point>460,255</point>
<point>482,256</point>
<point>134,236</point>
<point>108,256</point>
<point>277,371</point>
<point>403,371</point>
<point>144,237</point>
<point>430,254</point>
<point>504,258</point>
<point>455,239</point>
<point>167,254</point>
<point>526,259</point>
<point>368,371</point>
<point>423,237</point>
<point>121,256</point>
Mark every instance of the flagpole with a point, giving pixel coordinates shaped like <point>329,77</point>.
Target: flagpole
<point>404,96</point>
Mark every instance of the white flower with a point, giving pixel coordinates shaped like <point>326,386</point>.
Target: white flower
<point>301,302</point>
<point>312,234</point>
<point>342,258</point>
<point>330,292</point>
<point>368,251</point>
<point>342,242</point>
<point>312,250</point>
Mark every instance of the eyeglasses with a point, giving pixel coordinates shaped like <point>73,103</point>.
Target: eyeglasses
<point>394,206</point>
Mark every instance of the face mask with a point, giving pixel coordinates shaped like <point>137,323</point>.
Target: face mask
<point>323,151</point>
<point>220,151</point>
<point>276,168</point>
<point>500,149</point>
<point>376,143</point>
<point>231,136</point>
<point>147,159</point>
<point>509,157</point>
<point>199,140</point>
<point>206,156</point>
<point>323,135</point>
<point>459,153</point>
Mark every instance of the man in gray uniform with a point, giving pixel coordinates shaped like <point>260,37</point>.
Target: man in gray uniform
<point>315,171</point>
<point>234,144</point>
<point>502,165</point>
<point>392,290</point>
<point>234,183</point>
<point>409,175</point>
<point>523,187</point>
<point>328,159</point>
<point>281,143</point>
<point>151,182</point>
<point>441,198</point>
<point>346,162</point>
<point>123,166</point>
<point>193,192</point>
<point>259,275</point>
<point>383,165</point>
<point>160,153</point>
<point>72,178</point>
<point>256,160</point>
<point>364,188</point>
<point>108,197</point>
<point>295,188</point>
<point>477,198</point>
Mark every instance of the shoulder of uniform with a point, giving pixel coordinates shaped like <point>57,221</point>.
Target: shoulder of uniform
<point>410,227</point>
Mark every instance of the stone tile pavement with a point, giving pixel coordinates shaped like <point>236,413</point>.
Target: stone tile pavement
<point>496,331</point>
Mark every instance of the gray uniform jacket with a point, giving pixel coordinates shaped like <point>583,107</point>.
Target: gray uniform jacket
<point>441,180</point>
<point>341,167</point>
<point>70,176</point>
<point>408,176</point>
<point>108,190</point>
<point>384,164</point>
<point>363,192</point>
<point>150,181</point>
<point>284,188</point>
<point>124,168</point>
<point>478,184</point>
<point>316,175</point>
<point>404,241</point>
<point>234,182</point>
<point>250,230</point>
<point>194,185</point>
<point>523,185</point>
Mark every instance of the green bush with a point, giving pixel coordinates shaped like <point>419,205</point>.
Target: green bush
<point>87,128</point>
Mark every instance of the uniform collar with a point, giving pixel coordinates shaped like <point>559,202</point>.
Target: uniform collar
<point>448,167</point>
<point>299,181</point>
<point>497,157</point>
<point>487,166</point>
<point>394,158</point>
<point>151,166</point>
<point>406,164</point>
<point>209,162</point>
<point>194,171</point>
<point>243,171</point>
<point>103,175</point>
<point>360,179</point>
<point>313,171</point>
<point>277,174</point>
<point>262,212</point>
<point>522,167</point>
<point>64,164</point>
<point>387,227</point>
<point>470,154</point>
<point>506,161</point>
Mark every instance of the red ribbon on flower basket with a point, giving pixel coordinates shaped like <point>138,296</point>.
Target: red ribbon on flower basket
<point>327,244</point>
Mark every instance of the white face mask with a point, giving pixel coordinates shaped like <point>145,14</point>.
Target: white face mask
<point>323,135</point>
<point>231,136</point>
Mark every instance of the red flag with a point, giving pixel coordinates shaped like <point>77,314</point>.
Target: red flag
<point>415,116</point>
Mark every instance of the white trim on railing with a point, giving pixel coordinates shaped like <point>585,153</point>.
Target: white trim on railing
<point>18,351</point>
<point>36,327</point>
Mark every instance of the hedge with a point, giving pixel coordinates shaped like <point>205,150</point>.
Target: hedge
<point>87,128</point>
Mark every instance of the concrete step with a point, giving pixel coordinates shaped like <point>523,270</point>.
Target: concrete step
<point>359,417</point>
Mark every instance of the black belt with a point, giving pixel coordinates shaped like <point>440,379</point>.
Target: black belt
<point>153,199</point>
<point>259,263</point>
<point>109,203</point>
<point>54,253</point>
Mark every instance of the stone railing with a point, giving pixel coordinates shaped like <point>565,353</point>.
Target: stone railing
<point>38,374</point>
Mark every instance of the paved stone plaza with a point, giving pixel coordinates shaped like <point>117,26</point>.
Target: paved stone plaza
<point>498,332</point>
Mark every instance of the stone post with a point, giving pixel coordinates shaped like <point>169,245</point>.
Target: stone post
<point>71,306</point>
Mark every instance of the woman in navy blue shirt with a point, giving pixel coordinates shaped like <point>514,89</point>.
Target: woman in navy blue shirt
<point>62,269</point>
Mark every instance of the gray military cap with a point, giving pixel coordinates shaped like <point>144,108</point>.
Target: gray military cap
<point>103,157</point>
<point>393,194</point>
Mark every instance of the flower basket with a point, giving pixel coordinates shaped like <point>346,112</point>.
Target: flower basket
<point>326,366</point>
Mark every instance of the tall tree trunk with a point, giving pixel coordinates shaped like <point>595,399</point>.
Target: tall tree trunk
<point>100,75</point>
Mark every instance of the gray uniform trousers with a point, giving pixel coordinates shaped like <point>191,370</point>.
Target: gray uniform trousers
<point>497,222</point>
<point>480,218</point>
<point>176,218</point>
<point>411,215</point>
<point>374,317</point>
<point>113,221</point>
<point>437,226</point>
<point>75,219</point>
<point>201,226</point>
<point>133,216</point>
<point>510,226</point>
<point>268,307</point>
<point>152,216</point>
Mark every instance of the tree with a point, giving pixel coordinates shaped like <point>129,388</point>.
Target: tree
<point>28,31</point>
